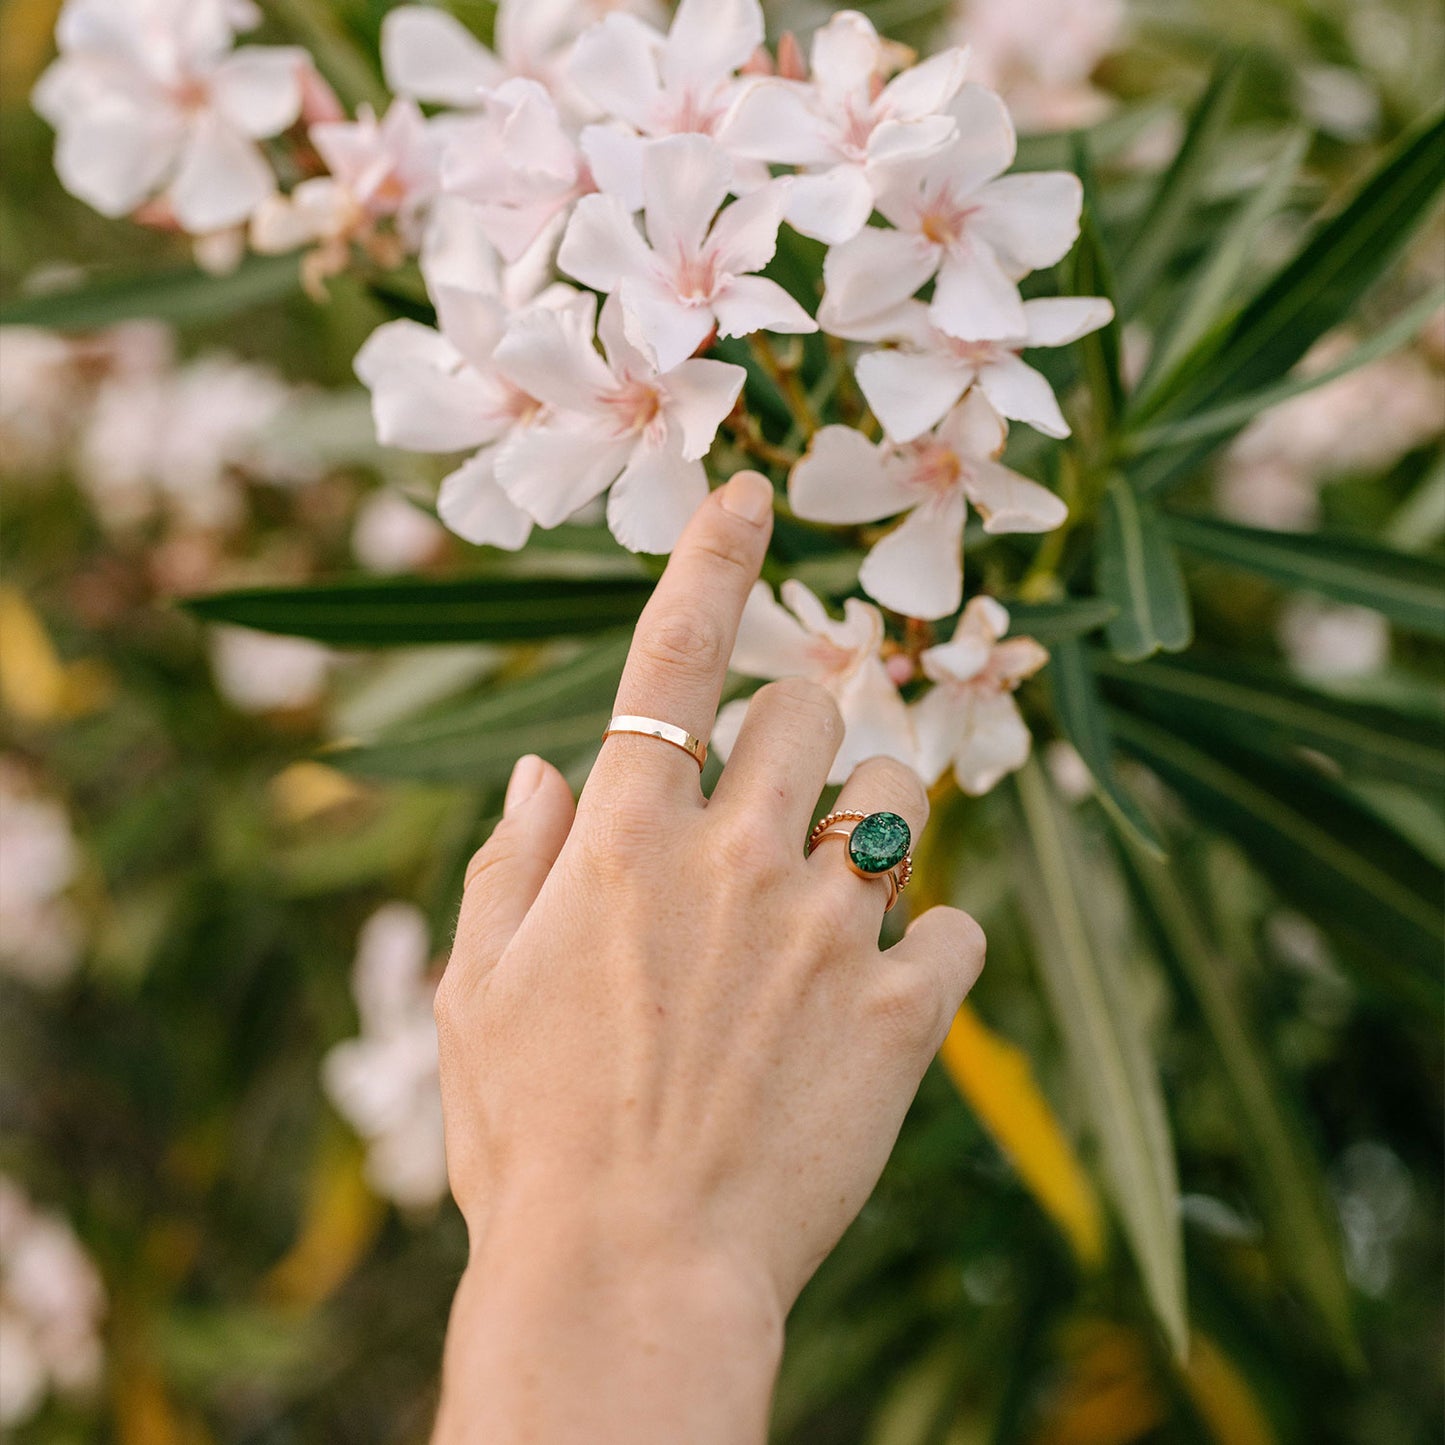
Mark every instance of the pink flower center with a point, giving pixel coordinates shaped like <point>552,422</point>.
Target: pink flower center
<point>855,133</point>
<point>830,660</point>
<point>635,407</point>
<point>942,218</point>
<point>936,469</point>
<point>695,279</point>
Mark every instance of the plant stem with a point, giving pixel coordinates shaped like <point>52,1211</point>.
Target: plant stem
<point>785,378</point>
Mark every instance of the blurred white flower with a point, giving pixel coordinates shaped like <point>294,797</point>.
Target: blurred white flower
<point>612,421</point>
<point>258,673</point>
<point>51,1306</point>
<point>692,275</point>
<point>798,638</point>
<point>385,1082</point>
<point>958,219</point>
<point>37,398</point>
<point>912,387</point>
<point>392,535</point>
<point>969,720</point>
<point>40,929</point>
<point>1040,56</point>
<point>1327,642</point>
<point>149,97</point>
<point>844,126</point>
<point>917,568</point>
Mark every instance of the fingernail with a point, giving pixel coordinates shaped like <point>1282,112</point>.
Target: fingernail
<point>748,495</point>
<point>525,780</point>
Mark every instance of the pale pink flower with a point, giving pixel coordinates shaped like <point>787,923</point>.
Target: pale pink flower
<point>969,720</point>
<point>40,927</point>
<point>844,126</point>
<point>692,275</point>
<point>52,1303</point>
<point>912,387</point>
<point>612,421</point>
<point>798,638</point>
<point>960,221</point>
<point>385,1082</point>
<point>393,535</point>
<point>1327,642</point>
<point>258,673</point>
<point>148,97</point>
<point>917,568</point>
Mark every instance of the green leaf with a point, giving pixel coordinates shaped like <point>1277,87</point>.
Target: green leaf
<point>1091,274</point>
<point>1407,589</point>
<point>1298,1213</point>
<point>182,296</point>
<point>1097,1014</point>
<point>1051,622</point>
<point>1314,292</point>
<point>1136,570</point>
<point>336,52</point>
<point>1319,847</point>
<point>1213,289</point>
<point>410,611</point>
<point>1164,222</point>
<point>1229,418</point>
<point>1081,714</point>
<point>1266,710</point>
<point>559,713</point>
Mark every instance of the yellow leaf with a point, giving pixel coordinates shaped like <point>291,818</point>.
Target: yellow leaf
<point>1107,1394</point>
<point>997,1081</point>
<point>308,789</point>
<point>1224,1398</point>
<point>36,686</point>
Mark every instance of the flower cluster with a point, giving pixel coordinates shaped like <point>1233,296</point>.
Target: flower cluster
<point>595,206</point>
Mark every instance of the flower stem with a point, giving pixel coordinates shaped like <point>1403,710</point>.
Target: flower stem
<point>790,387</point>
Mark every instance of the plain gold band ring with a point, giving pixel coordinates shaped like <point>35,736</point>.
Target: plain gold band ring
<point>651,727</point>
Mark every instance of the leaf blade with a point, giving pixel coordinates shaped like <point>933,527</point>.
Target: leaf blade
<point>1136,569</point>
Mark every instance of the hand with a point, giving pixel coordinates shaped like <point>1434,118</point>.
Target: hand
<point>673,1058</point>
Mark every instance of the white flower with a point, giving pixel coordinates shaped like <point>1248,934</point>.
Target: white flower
<point>911,388</point>
<point>798,638</point>
<point>386,1082</point>
<point>1326,642</point>
<point>51,1305</point>
<point>148,97</point>
<point>393,535</point>
<point>693,274</point>
<point>440,390</point>
<point>386,169</point>
<point>960,219</point>
<point>844,126</point>
<point>258,673</point>
<point>40,929</point>
<point>969,718</point>
<point>613,422</point>
<point>517,163</point>
<point>917,568</point>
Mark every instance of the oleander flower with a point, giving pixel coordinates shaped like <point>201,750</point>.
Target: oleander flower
<point>440,389</point>
<point>259,673</point>
<point>692,274</point>
<point>40,928</point>
<point>960,222</point>
<point>385,1081</point>
<point>844,126</point>
<point>917,568</point>
<point>798,638</point>
<point>52,1303</point>
<point>969,720</point>
<point>149,98</point>
<point>613,421</point>
<point>911,387</point>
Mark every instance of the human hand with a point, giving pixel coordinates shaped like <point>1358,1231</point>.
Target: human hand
<point>673,1058</point>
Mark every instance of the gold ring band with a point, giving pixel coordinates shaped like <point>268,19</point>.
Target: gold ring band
<point>842,825</point>
<point>650,727</point>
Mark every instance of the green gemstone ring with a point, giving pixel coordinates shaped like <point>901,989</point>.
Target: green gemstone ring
<point>876,846</point>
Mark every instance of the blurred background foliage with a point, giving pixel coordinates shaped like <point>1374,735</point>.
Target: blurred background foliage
<point>1234,1057</point>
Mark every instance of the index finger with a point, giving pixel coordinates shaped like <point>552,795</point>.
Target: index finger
<point>679,656</point>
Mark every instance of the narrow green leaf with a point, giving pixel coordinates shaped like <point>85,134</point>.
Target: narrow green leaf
<point>411,611</point>
<point>182,296</point>
<point>1081,714</point>
<point>1098,1017</point>
<point>1230,417</point>
<point>1409,590</point>
<point>1165,219</point>
<point>1092,274</point>
<point>1298,1213</point>
<point>1051,622</point>
<point>1136,570</point>
<point>1212,291</point>
<point>1267,710</point>
<point>1318,845</point>
<point>337,54</point>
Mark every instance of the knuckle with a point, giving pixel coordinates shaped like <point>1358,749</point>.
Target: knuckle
<point>908,1008</point>
<point>619,834</point>
<point>683,638</point>
<point>727,548</point>
<point>739,847</point>
<point>903,785</point>
<point>804,701</point>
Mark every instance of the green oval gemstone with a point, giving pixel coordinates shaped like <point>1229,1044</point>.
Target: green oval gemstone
<point>879,842</point>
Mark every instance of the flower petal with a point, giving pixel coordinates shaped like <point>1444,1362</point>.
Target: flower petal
<point>1022,394</point>
<point>655,497</point>
<point>845,57</point>
<point>843,480</point>
<point>1058,320</point>
<point>431,56</point>
<point>832,206</point>
<point>474,506</point>
<point>685,179</point>
<point>614,156</point>
<point>753,303</point>
<point>925,88</point>
<point>874,272</point>
<point>917,568</point>
<point>745,236</point>
<point>602,244</point>
<point>699,395</point>
<point>726,727</point>
<point>895,142</point>
<point>876,722</point>
<point>935,729</point>
<point>549,353</point>
<point>709,40</point>
<point>551,469</point>
<point>615,65</point>
<point>664,329</point>
<point>114,153</point>
<point>222,178</point>
<point>258,89</point>
<point>1008,502</point>
<point>774,120</point>
<point>771,642</point>
<point>910,392</point>
<point>973,428</point>
<point>1029,220</point>
<point>992,741</point>
<point>974,299</point>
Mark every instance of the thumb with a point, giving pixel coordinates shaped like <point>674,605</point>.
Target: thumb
<point>508,871</point>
